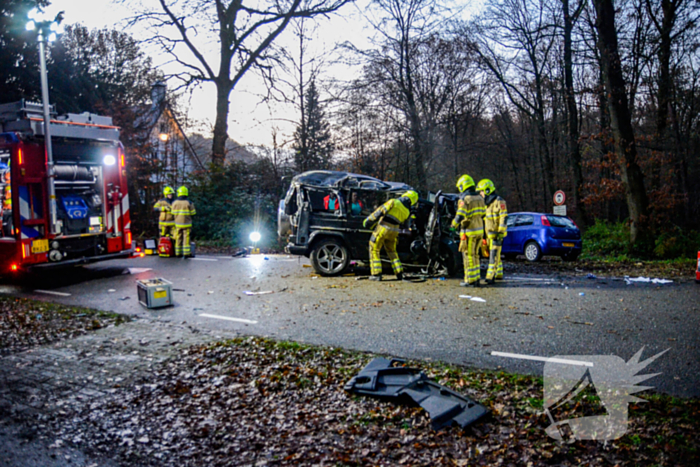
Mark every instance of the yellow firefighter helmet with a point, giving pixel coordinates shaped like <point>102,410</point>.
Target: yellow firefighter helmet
<point>486,186</point>
<point>464,183</point>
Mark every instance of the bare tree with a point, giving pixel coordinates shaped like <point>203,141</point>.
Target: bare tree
<point>241,33</point>
<point>671,19</point>
<point>570,19</point>
<point>398,67</point>
<point>515,41</point>
<point>621,122</point>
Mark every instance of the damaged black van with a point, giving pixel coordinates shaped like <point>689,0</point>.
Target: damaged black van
<point>321,218</point>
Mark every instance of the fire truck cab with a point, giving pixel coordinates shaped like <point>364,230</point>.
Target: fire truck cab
<point>90,221</point>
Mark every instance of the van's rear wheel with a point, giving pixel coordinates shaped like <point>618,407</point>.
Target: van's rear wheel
<point>330,257</point>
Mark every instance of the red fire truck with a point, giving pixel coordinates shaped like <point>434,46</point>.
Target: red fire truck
<point>89,219</point>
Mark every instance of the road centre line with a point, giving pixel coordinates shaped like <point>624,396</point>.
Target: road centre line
<point>51,292</point>
<point>227,318</point>
<point>541,359</point>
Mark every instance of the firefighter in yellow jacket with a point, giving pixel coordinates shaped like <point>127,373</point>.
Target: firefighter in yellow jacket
<point>470,221</point>
<point>183,210</point>
<point>495,226</point>
<point>166,221</point>
<point>390,215</point>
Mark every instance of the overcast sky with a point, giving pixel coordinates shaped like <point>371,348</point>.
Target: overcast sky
<point>250,122</point>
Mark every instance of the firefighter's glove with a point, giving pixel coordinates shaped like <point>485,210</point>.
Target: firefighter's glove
<point>412,222</point>
<point>498,240</point>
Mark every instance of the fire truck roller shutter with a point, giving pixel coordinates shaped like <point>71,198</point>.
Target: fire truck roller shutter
<point>74,173</point>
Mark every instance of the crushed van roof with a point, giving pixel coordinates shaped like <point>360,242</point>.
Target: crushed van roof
<point>340,179</point>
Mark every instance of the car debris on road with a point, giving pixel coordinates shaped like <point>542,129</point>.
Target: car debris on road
<point>380,378</point>
<point>629,280</point>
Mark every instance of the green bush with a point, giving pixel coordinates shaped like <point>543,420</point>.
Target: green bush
<point>607,239</point>
<point>610,241</point>
<point>677,243</point>
<point>231,203</point>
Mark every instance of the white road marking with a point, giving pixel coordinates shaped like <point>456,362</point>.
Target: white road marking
<point>203,259</point>
<point>541,359</point>
<point>51,292</point>
<point>227,318</point>
<point>529,279</point>
<point>473,299</point>
<point>138,270</point>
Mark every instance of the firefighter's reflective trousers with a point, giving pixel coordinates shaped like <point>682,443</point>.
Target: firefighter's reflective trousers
<point>495,265</point>
<point>167,229</point>
<point>384,236</point>
<point>182,241</point>
<point>470,258</point>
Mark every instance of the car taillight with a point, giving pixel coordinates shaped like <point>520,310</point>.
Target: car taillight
<point>545,221</point>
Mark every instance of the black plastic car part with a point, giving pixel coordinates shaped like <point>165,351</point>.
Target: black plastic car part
<point>411,386</point>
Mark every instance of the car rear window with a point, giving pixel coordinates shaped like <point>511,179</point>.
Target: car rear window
<point>560,221</point>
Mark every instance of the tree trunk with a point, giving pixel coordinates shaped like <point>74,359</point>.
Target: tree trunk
<point>605,131</point>
<point>621,123</point>
<point>545,155</point>
<point>218,149</point>
<point>572,119</point>
<point>664,95</point>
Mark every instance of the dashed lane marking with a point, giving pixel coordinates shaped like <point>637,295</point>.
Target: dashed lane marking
<point>51,292</point>
<point>228,318</point>
<point>541,359</point>
<point>530,279</point>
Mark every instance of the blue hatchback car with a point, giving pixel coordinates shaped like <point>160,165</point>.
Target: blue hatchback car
<point>536,234</point>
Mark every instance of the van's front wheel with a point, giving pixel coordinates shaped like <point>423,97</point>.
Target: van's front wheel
<point>330,257</point>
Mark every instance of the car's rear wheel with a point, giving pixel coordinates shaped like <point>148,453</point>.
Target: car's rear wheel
<point>533,252</point>
<point>330,257</point>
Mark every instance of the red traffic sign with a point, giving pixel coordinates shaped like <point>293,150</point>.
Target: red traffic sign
<point>559,198</point>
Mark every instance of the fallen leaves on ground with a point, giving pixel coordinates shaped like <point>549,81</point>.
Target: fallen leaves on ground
<point>26,323</point>
<point>254,401</point>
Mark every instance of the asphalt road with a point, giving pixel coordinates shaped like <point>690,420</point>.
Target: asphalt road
<point>541,316</point>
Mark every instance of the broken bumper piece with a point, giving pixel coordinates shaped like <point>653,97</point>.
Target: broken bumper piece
<point>410,385</point>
